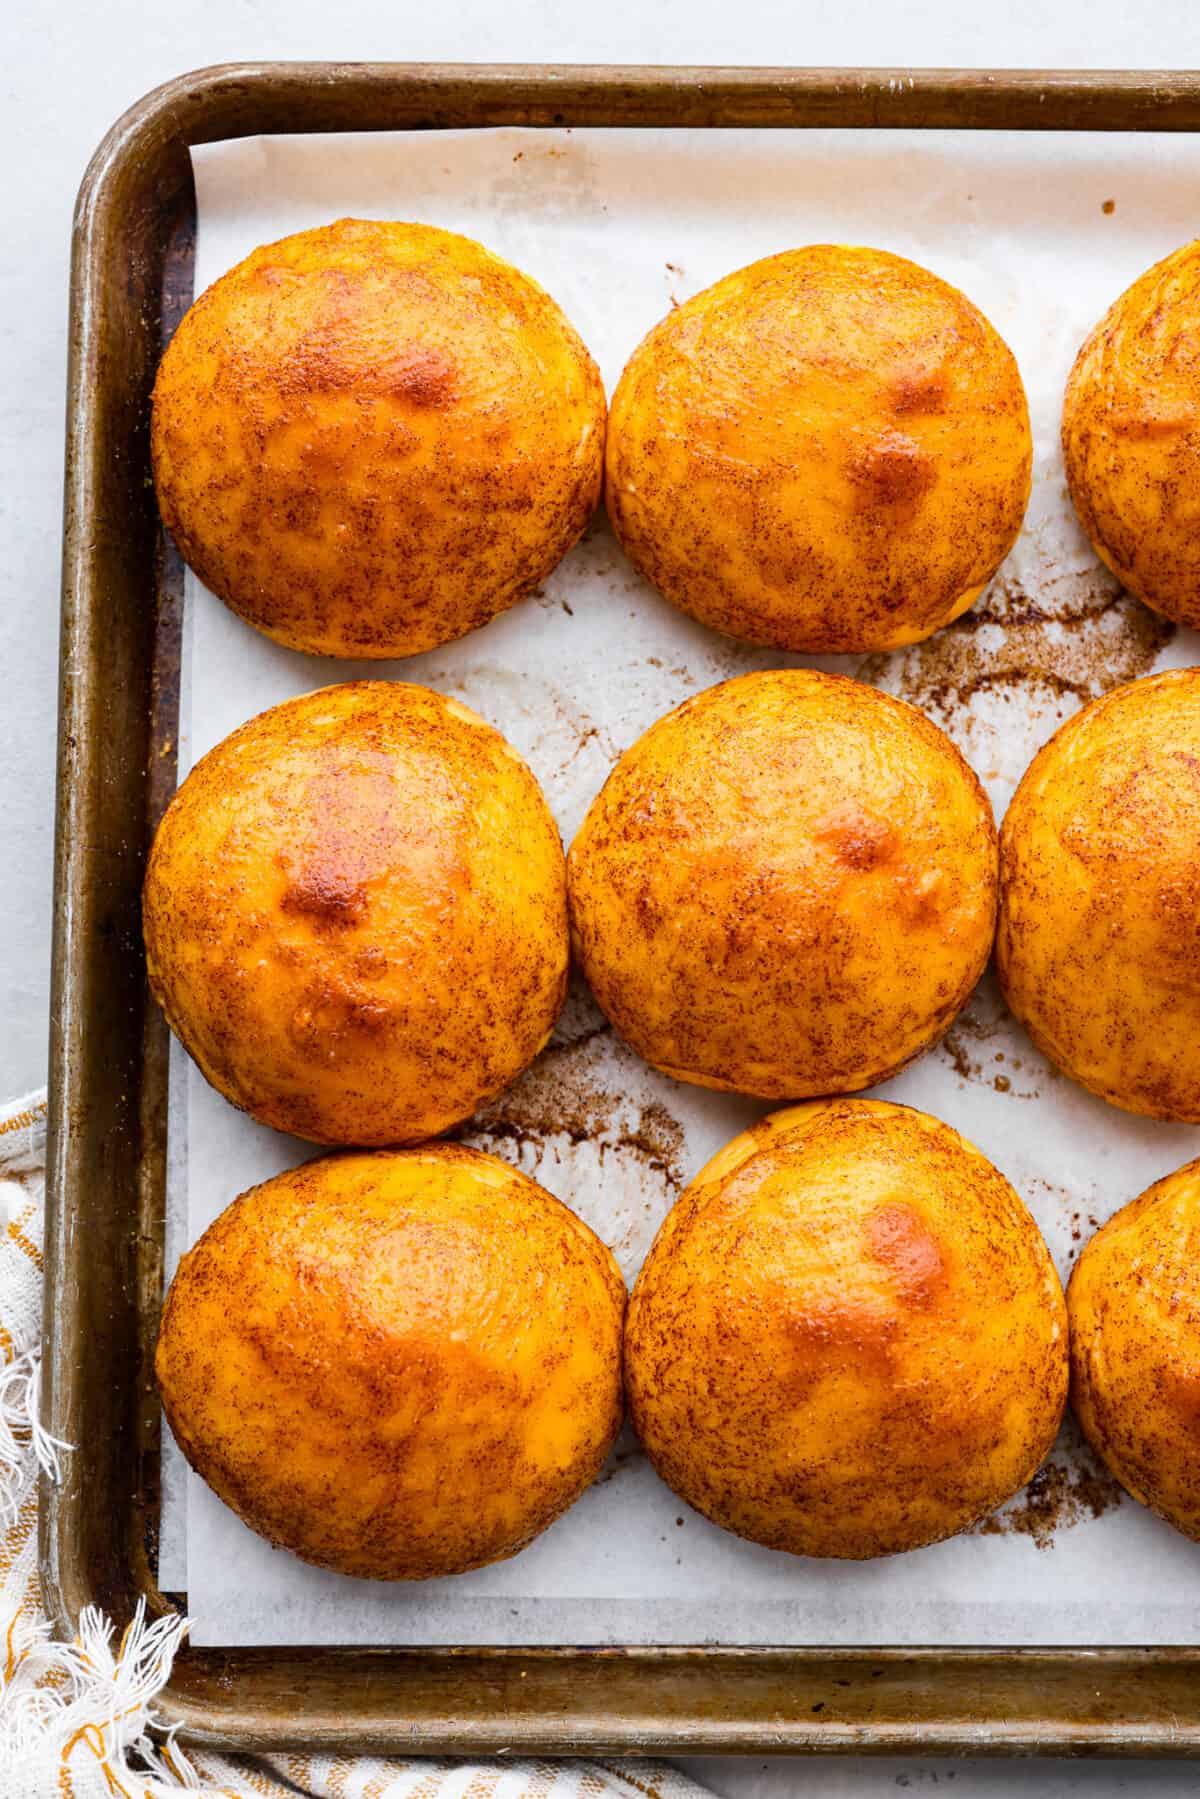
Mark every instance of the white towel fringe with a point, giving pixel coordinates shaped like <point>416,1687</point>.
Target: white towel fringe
<point>89,1698</point>
<point>86,1699</point>
<point>20,1431</point>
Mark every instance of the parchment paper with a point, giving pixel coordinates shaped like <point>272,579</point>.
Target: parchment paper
<point>1041,231</point>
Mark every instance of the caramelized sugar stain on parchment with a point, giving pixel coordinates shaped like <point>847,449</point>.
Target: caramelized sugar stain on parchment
<point>979,1047</point>
<point>1042,650</point>
<point>1071,1487</point>
<point>1052,631</point>
<point>588,1121</point>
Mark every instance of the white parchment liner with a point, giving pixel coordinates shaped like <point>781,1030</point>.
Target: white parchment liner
<point>1042,231</point>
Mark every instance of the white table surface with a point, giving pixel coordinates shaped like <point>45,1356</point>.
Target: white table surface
<point>69,69</point>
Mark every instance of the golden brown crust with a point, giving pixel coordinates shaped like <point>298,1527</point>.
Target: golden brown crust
<point>355,914</point>
<point>828,450</point>
<point>1099,893</point>
<point>1131,436</point>
<point>1134,1306</point>
<point>849,1338</point>
<point>396,1365</point>
<point>370,438</point>
<point>786,887</point>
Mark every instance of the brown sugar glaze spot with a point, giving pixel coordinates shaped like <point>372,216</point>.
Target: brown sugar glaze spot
<point>856,836</point>
<point>891,471</point>
<point>897,1238</point>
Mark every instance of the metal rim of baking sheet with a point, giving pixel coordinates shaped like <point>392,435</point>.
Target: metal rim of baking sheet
<point>122,590</point>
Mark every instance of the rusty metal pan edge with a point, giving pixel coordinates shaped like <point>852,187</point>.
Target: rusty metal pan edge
<point>208,104</point>
<point>1131,1702</point>
<point>706,1701</point>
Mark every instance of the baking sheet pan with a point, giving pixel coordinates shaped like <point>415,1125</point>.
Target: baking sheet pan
<point>132,268</point>
<point>1042,232</point>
